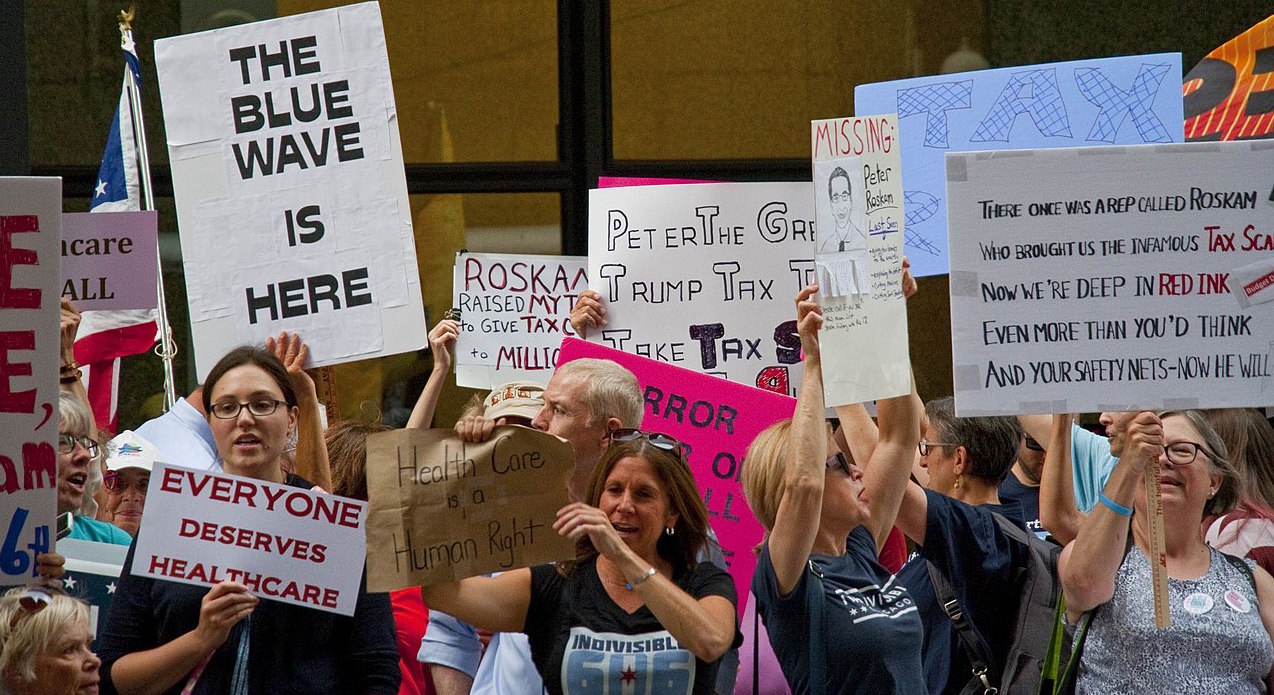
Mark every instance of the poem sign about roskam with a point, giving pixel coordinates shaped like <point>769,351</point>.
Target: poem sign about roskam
<point>284,543</point>
<point>289,184</point>
<point>858,189</point>
<point>514,312</point>
<point>1112,278</point>
<point>443,510</point>
<point>30,224</point>
<point>702,276</point>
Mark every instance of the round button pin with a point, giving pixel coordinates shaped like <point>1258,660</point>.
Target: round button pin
<point>1237,602</point>
<point>1198,603</point>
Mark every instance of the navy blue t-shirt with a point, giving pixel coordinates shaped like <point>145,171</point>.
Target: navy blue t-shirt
<point>1027,499</point>
<point>870,628</point>
<point>983,566</point>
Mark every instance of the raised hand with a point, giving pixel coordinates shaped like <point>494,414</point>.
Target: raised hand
<point>577,520</point>
<point>442,341</point>
<point>809,320</point>
<point>588,312</point>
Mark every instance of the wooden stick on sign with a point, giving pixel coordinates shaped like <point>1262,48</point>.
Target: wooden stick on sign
<point>1158,556</point>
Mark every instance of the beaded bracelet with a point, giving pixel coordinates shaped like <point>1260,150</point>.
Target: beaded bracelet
<point>632,585</point>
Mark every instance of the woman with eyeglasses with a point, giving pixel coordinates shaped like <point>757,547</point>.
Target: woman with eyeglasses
<point>128,463</point>
<point>80,473</point>
<point>166,637</point>
<point>634,608</point>
<point>46,644</point>
<point>1222,608</point>
<point>837,619</point>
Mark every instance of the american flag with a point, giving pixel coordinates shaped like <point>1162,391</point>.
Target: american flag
<point>106,336</point>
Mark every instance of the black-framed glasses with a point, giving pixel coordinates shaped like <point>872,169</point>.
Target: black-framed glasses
<point>260,407</point>
<point>1184,453</point>
<point>925,445</point>
<point>659,440</point>
<point>841,461</point>
<point>67,442</point>
<point>1032,444</point>
<point>111,481</point>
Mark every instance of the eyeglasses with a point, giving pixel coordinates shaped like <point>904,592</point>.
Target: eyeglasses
<point>841,461</point>
<point>924,446</point>
<point>1033,445</point>
<point>261,407</point>
<point>111,481</point>
<point>659,440</point>
<point>1184,453</point>
<point>840,197</point>
<point>67,442</point>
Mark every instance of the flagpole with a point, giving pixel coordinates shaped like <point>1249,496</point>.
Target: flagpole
<point>167,349</point>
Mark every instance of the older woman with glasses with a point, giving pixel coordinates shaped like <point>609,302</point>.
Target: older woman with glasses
<point>1214,599</point>
<point>80,473</point>
<point>46,644</point>
<point>128,464</point>
<point>634,608</point>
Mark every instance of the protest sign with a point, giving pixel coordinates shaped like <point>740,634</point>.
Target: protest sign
<point>514,311</point>
<point>443,509</point>
<point>1125,278</point>
<point>1229,95</point>
<point>1105,101</point>
<point>30,226</point>
<point>717,420</point>
<point>622,181</point>
<point>702,276</point>
<point>285,543</point>
<point>290,189</point>
<point>110,259</point>
<point>858,194</point>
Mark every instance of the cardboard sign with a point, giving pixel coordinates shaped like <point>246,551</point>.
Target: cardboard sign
<point>443,510</point>
<point>1096,279</point>
<point>702,276</point>
<point>1229,95</point>
<point>717,420</point>
<point>514,311</point>
<point>1106,101</point>
<point>110,259</point>
<point>290,189</point>
<point>285,543</point>
<point>859,208</point>
<point>30,226</point>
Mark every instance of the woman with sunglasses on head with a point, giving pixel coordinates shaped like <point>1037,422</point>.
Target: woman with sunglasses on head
<point>832,611</point>
<point>633,608</point>
<point>46,644</point>
<point>166,637</point>
<point>80,473</point>
<point>1222,608</point>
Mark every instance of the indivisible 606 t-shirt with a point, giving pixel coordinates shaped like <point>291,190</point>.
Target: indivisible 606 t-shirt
<point>583,643</point>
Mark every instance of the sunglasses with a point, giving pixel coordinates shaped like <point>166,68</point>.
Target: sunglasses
<point>659,440</point>
<point>1033,445</point>
<point>32,601</point>
<point>841,461</point>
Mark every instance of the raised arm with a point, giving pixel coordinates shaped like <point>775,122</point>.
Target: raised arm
<point>886,477</point>
<point>498,603</point>
<point>69,376</point>
<point>797,518</point>
<point>1088,565</point>
<point>442,340</point>
<point>1058,513</point>
<point>311,451</point>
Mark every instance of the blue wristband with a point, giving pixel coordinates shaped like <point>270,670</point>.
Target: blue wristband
<point>1114,506</point>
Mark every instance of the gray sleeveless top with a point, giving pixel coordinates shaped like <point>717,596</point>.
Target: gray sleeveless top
<point>1217,643</point>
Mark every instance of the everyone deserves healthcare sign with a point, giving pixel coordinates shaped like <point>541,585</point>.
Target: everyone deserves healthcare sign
<point>703,276</point>
<point>30,225</point>
<point>290,190</point>
<point>285,543</point>
<point>716,421</point>
<point>514,312</point>
<point>1107,101</point>
<point>1110,278</point>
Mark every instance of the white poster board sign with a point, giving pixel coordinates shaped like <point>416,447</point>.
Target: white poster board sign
<point>514,312</point>
<point>30,229</point>
<point>290,190</point>
<point>285,543</point>
<point>703,276</point>
<point>859,210</point>
<point>1113,278</point>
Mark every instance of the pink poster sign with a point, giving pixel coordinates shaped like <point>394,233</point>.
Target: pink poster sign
<point>717,420</point>
<point>109,259</point>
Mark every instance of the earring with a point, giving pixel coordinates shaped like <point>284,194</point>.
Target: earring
<point>959,481</point>
<point>669,531</point>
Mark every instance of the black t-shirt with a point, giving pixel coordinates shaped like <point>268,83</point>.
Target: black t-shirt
<point>1027,498</point>
<point>870,628</point>
<point>583,643</point>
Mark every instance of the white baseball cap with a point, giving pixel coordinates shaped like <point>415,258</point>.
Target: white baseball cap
<point>129,450</point>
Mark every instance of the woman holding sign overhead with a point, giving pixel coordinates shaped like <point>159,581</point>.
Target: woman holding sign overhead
<point>166,637</point>
<point>1214,599</point>
<point>633,608</point>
